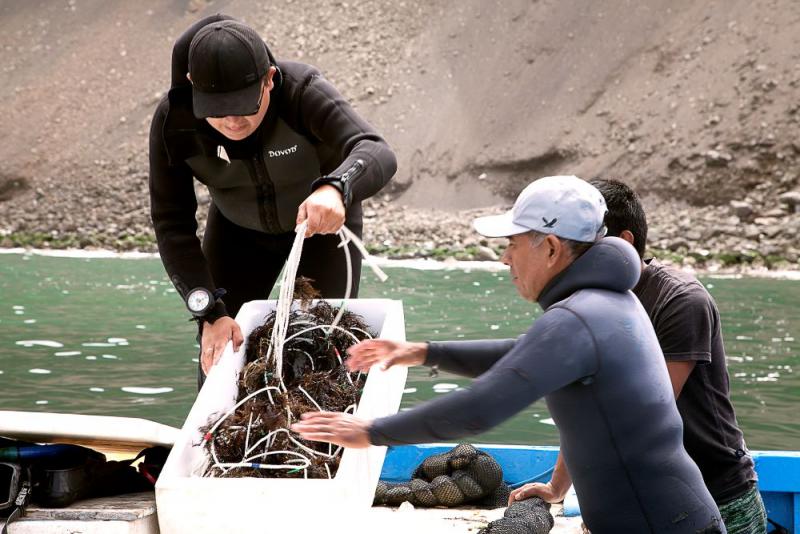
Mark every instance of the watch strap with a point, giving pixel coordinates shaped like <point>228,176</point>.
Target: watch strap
<point>214,312</point>
<point>217,311</point>
<point>336,182</point>
<point>343,182</point>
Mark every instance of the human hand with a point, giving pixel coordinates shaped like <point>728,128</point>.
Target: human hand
<point>324,210</point>
<point>334,427</point>
<point>371,351</point>
<point>536,489</point>
<point>215,337</point>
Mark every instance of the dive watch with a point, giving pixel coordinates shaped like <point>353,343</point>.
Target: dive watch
<point>200,301</point>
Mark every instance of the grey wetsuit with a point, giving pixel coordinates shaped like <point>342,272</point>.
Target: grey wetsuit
<point>595,358</point>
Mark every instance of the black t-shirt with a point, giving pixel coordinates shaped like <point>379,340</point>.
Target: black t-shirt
<point>687,323</point>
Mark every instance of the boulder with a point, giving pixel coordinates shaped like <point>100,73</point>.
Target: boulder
<point>715,158</point>
<point>486,254</point>
<point>741,209</point>
<point>792,200</point>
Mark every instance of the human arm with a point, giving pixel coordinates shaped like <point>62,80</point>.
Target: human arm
<point>678,375</point>
<point>685,327</point>
<point>555,352</point>
<point>466,358</point>
<point>367,162</point>
<point>172,208</point>
<point>553,491</point>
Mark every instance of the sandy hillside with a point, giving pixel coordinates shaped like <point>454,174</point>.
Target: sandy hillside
<point>692,101</point>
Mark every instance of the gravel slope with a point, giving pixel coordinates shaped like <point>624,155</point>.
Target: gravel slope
<point>691,101</point>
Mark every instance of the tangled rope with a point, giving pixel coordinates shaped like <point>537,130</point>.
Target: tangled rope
<point>253,436</point>
<point>288,281</point>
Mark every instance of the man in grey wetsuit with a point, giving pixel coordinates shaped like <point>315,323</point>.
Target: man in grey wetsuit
<point>687,324</point>
<point>276,145</point>
<point>593,355</point>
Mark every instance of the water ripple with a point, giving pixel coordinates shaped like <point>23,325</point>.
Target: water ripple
<point>39,343</point>
<point>146,391</point>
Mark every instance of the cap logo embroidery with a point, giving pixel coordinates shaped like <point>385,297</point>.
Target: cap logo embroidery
<point>549,224</point>
<point>283,152</point>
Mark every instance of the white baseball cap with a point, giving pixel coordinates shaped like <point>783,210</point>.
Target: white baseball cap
<point>564,206</point>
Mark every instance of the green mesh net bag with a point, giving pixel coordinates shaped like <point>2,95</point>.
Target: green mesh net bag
<point>461,475</point>
<point>531,516</point>
<point>465,475</point>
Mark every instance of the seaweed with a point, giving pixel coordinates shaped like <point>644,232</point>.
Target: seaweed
<point>254,440</point>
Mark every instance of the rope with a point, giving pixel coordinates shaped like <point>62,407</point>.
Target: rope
<point>382,276</point>
<point>349,286</point>
<point>286,293</point>
<point>285,298</point>
<point>275,351</point>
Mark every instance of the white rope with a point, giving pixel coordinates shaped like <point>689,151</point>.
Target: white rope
<point>256,466</point>
<point>289,436</point>
<point>363,250</point>
<point>349,286</point>
<point>248,462</point>
<point>235,406</point>
<point>320,326</point>
<point>247,436</point>
<point>279,340</point>
<point>310,397</point>
<point>347,237</point>
<point>285,299</point>
<point>356,329</point>
<point>286,293</point>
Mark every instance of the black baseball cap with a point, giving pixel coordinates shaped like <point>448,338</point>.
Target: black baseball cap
<point>227,60</point>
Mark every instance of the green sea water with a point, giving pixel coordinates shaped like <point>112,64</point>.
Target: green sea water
<point>111,337</point>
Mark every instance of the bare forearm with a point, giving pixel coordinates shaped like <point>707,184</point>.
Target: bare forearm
<point>560,481</point>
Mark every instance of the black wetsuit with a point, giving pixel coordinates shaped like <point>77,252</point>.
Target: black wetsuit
<point>257,184</point>
<point>595,358</point>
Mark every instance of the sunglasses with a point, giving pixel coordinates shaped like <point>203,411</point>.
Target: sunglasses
<point>255,110</point>
<point>260,98</point>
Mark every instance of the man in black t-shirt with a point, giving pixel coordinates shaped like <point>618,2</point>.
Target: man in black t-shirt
<point>687,324</point>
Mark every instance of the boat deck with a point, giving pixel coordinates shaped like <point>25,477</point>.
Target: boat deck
<point>455,520</point>
<point>136,514</point>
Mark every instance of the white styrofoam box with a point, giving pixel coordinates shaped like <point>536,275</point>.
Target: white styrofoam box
<point>189,503</point>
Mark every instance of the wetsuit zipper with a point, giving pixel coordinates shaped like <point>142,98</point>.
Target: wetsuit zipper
<point>265,195</point>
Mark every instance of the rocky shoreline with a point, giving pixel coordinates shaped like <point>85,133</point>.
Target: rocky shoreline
<point>744,236</point>
<point>736,238</point>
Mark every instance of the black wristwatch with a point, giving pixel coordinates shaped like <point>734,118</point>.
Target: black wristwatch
<point>342,182</point>
<point>200,301</point>
<point>205,305</point>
